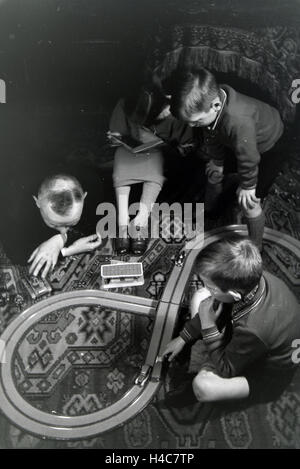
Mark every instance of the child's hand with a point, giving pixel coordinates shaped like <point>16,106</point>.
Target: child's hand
<point>173,348</point>
<point>46,255</point>
<point>198,297</point>
<point>247,198</point>
<point>214,172</point>
<point>208,315</point>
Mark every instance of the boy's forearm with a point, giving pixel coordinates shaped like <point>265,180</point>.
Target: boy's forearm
<point>248,159</point>
<point>248,174</point>
<point>192,330</point>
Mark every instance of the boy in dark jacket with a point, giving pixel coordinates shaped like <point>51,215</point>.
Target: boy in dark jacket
<point>246,126</point>
<point>248,325</point>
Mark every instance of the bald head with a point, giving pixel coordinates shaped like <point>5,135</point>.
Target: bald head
<point>60,200</point>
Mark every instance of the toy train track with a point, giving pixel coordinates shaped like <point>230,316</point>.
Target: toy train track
<point>164,312</point>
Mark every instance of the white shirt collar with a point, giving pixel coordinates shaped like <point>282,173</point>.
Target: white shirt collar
<point>220,112</point>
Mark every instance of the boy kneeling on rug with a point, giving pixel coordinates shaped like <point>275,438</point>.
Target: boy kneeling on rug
<point>247,327</point>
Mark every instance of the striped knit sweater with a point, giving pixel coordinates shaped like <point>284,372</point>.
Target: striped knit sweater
<point>261,327</point>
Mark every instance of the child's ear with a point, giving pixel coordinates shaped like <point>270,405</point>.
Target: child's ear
<point>217,106</point>
<point>36,201</point>
<point>84,195</point>
<point>235,295</point>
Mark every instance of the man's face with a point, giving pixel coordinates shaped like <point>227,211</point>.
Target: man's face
<point>60,223</point>
<point>216,292</point>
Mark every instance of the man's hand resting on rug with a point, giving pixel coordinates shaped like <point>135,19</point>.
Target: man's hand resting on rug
<point>45,256</point>
<point>86,244</point>
<point>173,348</point>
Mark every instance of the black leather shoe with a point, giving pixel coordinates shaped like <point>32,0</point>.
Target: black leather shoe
<point>122,244</point>
<point>139,243</point>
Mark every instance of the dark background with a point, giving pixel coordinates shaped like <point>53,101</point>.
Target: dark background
<point>66,62</point>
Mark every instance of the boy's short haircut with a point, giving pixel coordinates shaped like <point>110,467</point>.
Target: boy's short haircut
<point>232,263</point>
<point>194,92</point>
<point>61,200</point>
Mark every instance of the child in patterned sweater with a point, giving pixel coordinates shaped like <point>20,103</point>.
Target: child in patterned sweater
<point>247,323</point>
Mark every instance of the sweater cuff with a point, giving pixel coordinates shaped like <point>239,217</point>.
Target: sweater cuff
<point>211,334</point>
<point>244,186</point>
<point>186,336</point>
<point>219,163</point>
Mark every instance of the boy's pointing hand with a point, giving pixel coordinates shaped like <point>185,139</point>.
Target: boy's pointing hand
<point>173,348</point>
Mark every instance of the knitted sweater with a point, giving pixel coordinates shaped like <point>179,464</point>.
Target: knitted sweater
<point>263,328</point>
<point>249,127</point>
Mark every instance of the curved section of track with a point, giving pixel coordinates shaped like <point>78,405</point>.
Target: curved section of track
<point>165,312</point>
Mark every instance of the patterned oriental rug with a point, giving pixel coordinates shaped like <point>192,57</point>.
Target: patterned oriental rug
<point>78,360</point>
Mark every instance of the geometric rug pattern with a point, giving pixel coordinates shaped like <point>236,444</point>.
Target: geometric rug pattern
<point>55,369</point>
<point>79,360</point>
<point>62,360</point>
